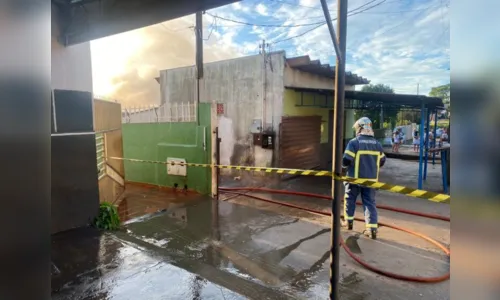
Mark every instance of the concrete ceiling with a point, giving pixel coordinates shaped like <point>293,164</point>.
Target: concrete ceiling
<point>84,20</point>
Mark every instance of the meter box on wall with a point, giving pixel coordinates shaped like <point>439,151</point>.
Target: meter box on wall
<point>267,140</point>
<point>256,126</point>
<point>264,140</point>
<point>174,167</point>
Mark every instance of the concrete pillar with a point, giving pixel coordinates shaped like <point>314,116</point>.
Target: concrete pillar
<point>75,192</point>
<point>71,66</point>
<point>349,121</point>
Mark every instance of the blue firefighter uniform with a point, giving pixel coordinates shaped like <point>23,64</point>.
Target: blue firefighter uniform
<point>363,158</point>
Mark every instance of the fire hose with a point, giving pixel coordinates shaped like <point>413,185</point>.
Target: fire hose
<point>235,191</point>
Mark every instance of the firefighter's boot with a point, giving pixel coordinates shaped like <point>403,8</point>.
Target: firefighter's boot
<point>372,233</point>
<point>348,224</point>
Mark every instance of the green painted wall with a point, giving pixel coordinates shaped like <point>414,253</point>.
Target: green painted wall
<point>158,141</point>
<point>292,98</point>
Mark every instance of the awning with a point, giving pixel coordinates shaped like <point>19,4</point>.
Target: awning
<point>370,100</point>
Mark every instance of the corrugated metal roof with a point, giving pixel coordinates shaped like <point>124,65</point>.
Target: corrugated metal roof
<point>305,64</point>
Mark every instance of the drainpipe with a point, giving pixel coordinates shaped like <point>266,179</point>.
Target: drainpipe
<point>263,85</point>
<point>199,61</point>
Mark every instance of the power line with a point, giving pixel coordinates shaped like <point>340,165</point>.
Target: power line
<point>318,7</point>
<point>262,25</point>
<point>392,28</point>
<point>353,11</point>
<point>212,27</point>
<point>299,35</point>
<point>402,11</point>
<point>240,23</point>
<point>323,23</point>
<point>296,4</point>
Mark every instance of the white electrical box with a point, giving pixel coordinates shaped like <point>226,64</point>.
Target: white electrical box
<point>176,168</point>
<point>256,126</point>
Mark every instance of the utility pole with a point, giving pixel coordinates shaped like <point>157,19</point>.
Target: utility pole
<point>199,59</point>
<point>331,30</point>
<point>338,139</point>
<point>418,86</point>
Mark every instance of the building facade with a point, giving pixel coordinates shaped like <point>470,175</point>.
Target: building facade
<point>282,98</point>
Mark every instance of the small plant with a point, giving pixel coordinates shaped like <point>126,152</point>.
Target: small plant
<point>108,218</point>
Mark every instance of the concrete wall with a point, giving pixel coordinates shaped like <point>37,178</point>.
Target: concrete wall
<point>158,141</point>
<point>239,85</point>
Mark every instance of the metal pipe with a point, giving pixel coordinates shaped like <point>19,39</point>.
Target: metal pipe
<point>421,151</point>
<point>204,138</point>
<point>264,103</point>
<point>338,137</point>
<point>336,43</point>
<point>427,143</point>
<point>199,59</point>
<point>444,170</point>
<point>217,159</point>
<point>435,137</point>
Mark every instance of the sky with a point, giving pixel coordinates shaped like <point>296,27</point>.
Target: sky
<point>400,43</point>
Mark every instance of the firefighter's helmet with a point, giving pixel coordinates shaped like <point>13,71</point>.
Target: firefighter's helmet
<point>362,123</point>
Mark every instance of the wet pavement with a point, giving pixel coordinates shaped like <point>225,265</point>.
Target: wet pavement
<point>177,246</point>
<point>95,265</point>
<point>139,200</point>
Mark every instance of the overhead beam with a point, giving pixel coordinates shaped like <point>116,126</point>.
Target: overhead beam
<point>88,20</point>
<point>298,61</point>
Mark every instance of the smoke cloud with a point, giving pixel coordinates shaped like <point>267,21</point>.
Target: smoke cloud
<point>125,66</point>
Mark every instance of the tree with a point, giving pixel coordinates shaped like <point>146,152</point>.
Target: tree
<point>443,92</point>
<point>374,115</point>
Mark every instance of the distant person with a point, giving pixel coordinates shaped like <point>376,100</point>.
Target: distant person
<point>431,137</point>
<point>396,140</point>
<point>416,141</point>
<point>362,159</point>
<point>444,136</point>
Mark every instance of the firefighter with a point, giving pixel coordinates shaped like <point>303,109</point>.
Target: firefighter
<point>362,159</point>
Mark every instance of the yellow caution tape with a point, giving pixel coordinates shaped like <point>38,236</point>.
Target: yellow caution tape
<point>398,189</point>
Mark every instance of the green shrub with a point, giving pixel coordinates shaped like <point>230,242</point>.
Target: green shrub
<point>108,218</point>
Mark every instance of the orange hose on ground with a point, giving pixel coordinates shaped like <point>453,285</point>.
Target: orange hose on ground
<point>386,207</point>
<point>355,257</point>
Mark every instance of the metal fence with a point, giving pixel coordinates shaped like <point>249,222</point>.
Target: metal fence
<point>176,112</point>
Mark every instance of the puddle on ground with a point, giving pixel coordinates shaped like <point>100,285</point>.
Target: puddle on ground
<point>352,243</point>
